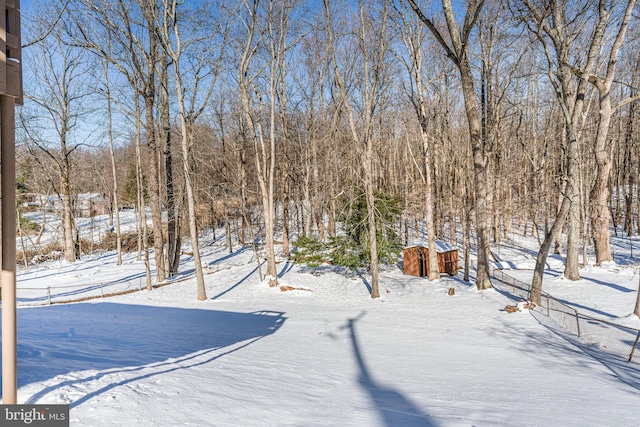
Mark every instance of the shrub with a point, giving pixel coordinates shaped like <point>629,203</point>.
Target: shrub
<point>310,251</point>
<point>129,241</point>
<point>49,252</point>
<point>352,249</point>
<point>355,225</point>
<point>28,226</point>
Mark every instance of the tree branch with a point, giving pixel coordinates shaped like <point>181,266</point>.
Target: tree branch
<point>426,21</point>
<point>51,28</point>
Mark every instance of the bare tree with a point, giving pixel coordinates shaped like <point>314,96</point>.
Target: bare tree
<point>143,234</point>
<point>258,96</point>
<point>173,45</point>
<point>131,27</point>
<point>173,235</point>
<point>457,49</point>
<point>59,92</point>
<point>599,195</point>
<point>413,37</point>
<point>116,203</point>
<point>557,28</point>
<point>373,44</point>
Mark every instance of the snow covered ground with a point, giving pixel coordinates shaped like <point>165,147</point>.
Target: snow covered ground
<point>326,355</point>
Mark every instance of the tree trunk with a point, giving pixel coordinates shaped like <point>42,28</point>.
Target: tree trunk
<point>173,250</point>
<point>427,147</point>
<point>43,212</point>
<point>286,185</point>
<point>143,231</point>
<point>373,244</point>
<point>285,211</point>
<point>599,195</point>
<point>636,309</point>
<point>244,208</point>
<point>572,266</point>
<point>186,129</point>
<point>152,146</point>
<point>67,220</point>
<point>362,132</point>
<point>227,229</point>
<point>466,241</point>
<point>116,208</point>
<point>272,272</point>
<point>193,230</point>
<point>483,230</point>
<point>631,174</point>
<point>572,196</point>
<point>541,260</point>
<point>154,190</point>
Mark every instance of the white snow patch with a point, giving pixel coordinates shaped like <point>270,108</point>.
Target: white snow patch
<point>252,357</point>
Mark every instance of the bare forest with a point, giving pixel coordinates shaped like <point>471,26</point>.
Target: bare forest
<point>338,130</point>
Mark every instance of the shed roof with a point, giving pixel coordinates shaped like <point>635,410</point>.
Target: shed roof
<point>440,245</point>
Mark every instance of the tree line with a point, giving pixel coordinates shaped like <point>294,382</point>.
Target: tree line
<point>274,118</point>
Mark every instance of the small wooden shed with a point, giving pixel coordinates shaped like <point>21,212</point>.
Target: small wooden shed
<point>416,260</point>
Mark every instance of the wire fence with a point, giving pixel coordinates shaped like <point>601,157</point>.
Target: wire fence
<point>614,339</point>
<point>76,293</point>
<point>33,296</point>
<point>618,340</point>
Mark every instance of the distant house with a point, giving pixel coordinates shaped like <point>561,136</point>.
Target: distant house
<point>90,205</point>
<point>30,200</point>
<point>87,204</point>
<point>53,204</point>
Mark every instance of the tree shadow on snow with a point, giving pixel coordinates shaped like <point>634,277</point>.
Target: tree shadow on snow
<point>132,281</point>
<point>364,281</point>
<point>182,273</point>
<point>136,342</point>
<point>569,350</point>
<point>628,372</point>
<point>393,407</point>
<point>238,283</point>
<point>288,266</point>
<point>459,278</point>
<point>632,286</point>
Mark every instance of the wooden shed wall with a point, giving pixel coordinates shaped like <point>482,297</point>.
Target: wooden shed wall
<point>416,261</point>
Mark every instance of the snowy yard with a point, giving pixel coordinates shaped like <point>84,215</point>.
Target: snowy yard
<point>329,355</point>
<point>252,355</point>
<point>364,124</point>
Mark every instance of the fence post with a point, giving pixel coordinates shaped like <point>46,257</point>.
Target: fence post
<point>635,343</point>
<point>101,291</point>
<point>578,323</point>
<point>48,295</point>
<point>548,309</point>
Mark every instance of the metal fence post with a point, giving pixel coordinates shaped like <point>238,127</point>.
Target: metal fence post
<point>578,322</point>
<point>48,295</point>
<point>101,291</point>
<point>635,343</point>
<point>548,305</point>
